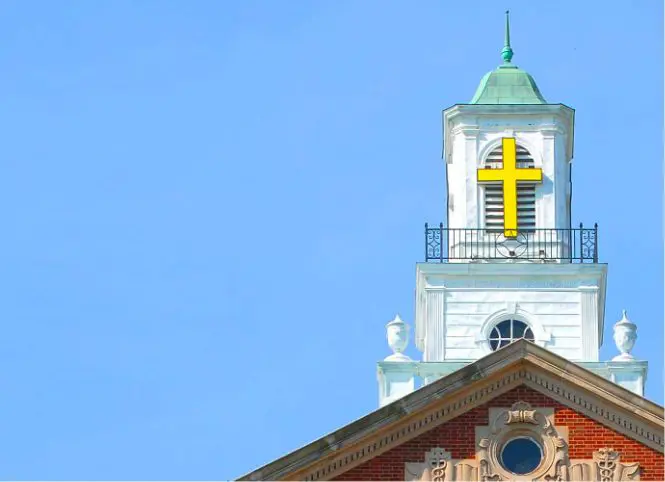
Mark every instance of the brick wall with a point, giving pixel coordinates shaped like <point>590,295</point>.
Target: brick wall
<point>458,437</point>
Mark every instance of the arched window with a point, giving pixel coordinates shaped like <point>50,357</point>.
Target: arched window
<point>526,194</point>
<point>508,331</point>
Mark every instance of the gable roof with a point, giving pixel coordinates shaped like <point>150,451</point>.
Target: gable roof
<point>520,363</point>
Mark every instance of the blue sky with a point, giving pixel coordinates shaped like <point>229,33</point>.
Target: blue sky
<point>212,208</point>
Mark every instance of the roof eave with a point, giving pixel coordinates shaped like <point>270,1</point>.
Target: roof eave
<point>477,372</point>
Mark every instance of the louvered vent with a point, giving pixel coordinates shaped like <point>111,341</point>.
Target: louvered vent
<point>526,194</point>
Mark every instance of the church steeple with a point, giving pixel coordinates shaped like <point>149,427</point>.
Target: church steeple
<point>508,264</point>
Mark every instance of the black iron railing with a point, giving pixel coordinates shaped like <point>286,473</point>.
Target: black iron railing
<point>576,245</point>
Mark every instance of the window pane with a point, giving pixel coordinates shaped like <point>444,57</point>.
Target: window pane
<point>508,331</point>
<point>528,334</point>
<point>521,456</point>
<point>518,329</point>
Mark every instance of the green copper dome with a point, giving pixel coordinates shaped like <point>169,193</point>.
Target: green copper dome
<point>507,84</point>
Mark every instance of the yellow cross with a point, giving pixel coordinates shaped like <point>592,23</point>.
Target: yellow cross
<point>510,175</point>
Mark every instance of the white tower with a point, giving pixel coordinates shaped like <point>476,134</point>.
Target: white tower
<point>508,264</point>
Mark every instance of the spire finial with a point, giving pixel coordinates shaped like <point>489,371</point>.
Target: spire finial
<point>507,52</point>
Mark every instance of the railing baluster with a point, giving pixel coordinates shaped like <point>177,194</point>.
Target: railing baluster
<point>478,245</point>
<point>580,247</point>
<point>426,243</point>
<point>441,242</point>
<point>452,239</point>
<point>595,242</point>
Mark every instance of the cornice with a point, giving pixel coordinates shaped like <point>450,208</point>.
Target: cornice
<point>520,363</point>
<point>530,270</point>
<point>506,109</point>
<point>480,111</point>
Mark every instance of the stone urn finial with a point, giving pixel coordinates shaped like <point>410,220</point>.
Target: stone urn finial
<point>397,333</point>
<point>625,334</point>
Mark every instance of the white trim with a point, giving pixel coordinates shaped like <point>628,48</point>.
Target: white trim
<point>520,141</point>
<point>505,289</point>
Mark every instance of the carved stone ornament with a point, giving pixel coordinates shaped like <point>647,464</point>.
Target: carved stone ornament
<point>521,421</point>
<point>437,458</point>
<point>439,466</point>
<point>605,467</point>
<point>521,413</point>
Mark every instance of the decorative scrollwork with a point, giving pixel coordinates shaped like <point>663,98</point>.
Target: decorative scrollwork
<point>607,463</point>
<point>523,421</point>
<point>439,472</point>
<point>486,473</point>
<point>433,242</point>
<point>587,243</point>
<point>513,247</point>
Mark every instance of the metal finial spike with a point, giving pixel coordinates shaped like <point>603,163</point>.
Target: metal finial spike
<point>507,52</point>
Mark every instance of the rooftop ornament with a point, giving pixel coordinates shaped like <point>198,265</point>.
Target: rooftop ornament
<point>507,52</point>
<point>625,335</point>
<point>397,333</point>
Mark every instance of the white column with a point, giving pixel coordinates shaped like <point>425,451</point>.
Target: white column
<point>546,192</point>
<point>435,330</point>
<point>421,314</point>
<point>590,322</point>
<point>470,134</point>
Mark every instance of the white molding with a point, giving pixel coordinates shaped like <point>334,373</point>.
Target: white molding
<point>588,270</point>
<point>489,145</point>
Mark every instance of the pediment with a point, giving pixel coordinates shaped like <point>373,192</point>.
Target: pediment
<point>520,363</point>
